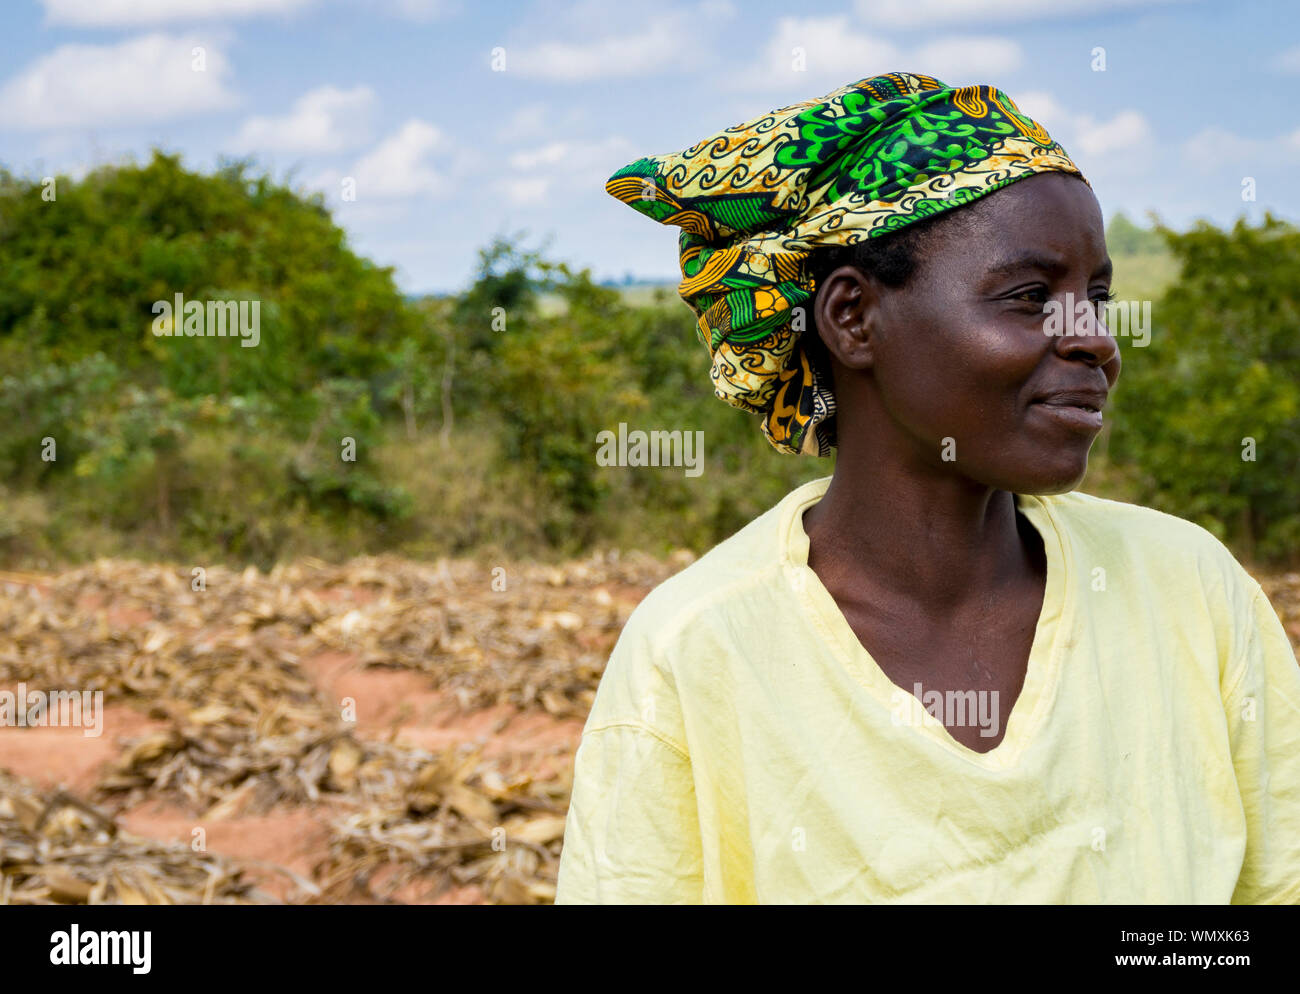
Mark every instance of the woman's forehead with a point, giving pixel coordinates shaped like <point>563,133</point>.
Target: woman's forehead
<point>1052,221</point>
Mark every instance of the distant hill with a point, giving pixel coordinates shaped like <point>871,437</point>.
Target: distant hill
<point>1123,236</point>
<point>1144,265</point>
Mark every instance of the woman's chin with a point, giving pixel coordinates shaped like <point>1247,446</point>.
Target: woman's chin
<point>1053,473</point>
<point>1059,477</point>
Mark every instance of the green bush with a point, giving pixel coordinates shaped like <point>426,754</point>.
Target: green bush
<point>474,418</point>
<point>1220,378</point>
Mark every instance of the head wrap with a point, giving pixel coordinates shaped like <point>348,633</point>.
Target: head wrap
<point>755,200</point>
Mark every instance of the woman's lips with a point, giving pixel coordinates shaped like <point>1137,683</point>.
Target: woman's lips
<point>1078,416</point>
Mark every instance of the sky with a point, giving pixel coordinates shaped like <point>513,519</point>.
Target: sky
<point>453,122</point>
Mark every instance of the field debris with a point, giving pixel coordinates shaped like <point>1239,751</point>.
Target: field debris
<point>55,849</point>
<point>215,658</point>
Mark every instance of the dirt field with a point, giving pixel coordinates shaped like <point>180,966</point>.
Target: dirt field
<point>383,731</point>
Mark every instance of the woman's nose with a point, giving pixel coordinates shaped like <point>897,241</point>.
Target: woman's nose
<point>1087,337</point>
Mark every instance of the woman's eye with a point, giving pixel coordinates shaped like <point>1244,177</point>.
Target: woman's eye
<point>1100,300</point>
<point>1036,295</point>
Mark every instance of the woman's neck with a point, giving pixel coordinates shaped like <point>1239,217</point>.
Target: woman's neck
<point>934,539</point>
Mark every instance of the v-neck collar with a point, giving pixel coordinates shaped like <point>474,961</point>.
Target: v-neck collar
<point>1041,676</point>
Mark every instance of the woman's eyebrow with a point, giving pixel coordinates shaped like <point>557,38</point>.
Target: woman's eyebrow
<point>1052,265</point>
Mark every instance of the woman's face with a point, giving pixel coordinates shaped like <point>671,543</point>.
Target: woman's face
<point>960,358</point>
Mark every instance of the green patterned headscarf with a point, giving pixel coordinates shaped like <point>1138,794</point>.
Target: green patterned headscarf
<point>754,201</point>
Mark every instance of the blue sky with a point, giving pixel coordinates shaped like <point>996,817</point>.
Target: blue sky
<point>445,151</point>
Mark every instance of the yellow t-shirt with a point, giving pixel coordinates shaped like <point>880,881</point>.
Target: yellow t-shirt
<point>743,746</point>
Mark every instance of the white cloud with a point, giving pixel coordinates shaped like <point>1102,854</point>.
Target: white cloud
<point>655,50</point>
<point>422,10</point>
<point>1215,148</point>
<point>547,155</point>
<point>529,121</point>
<point>964,60</point>
<point>146,79</point>
<point>133,13</point>
<point>535,121</point>
<point>817,51</point>
<point>136,13</point>
<point>824,53</point>
<point>399,167</point>
<point>326,119</point>
<point>927,13</point>
<point>607,41</point>
<point>1127,130</point>
<point>1288,61</point>
<point>578,167</point>
<point>720,9</point>
<point>526,191</point>
<point>1043,108</point>
<point>371,213</point>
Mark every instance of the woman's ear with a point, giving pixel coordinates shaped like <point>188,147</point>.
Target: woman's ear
<point>847,312</point>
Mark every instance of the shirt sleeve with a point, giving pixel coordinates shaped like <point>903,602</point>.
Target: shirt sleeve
<point>632,834</point>
<point>1263,712</point>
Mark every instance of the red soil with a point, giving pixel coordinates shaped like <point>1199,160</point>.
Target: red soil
<point>388,702</point>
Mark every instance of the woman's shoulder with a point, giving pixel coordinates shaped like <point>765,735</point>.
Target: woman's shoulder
<point>738,569</point>
<point>1134,522</point>
<point>690,618</point>
<point>1145,539</point>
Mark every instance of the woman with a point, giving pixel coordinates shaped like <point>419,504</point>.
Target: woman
<point>939,675</point>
